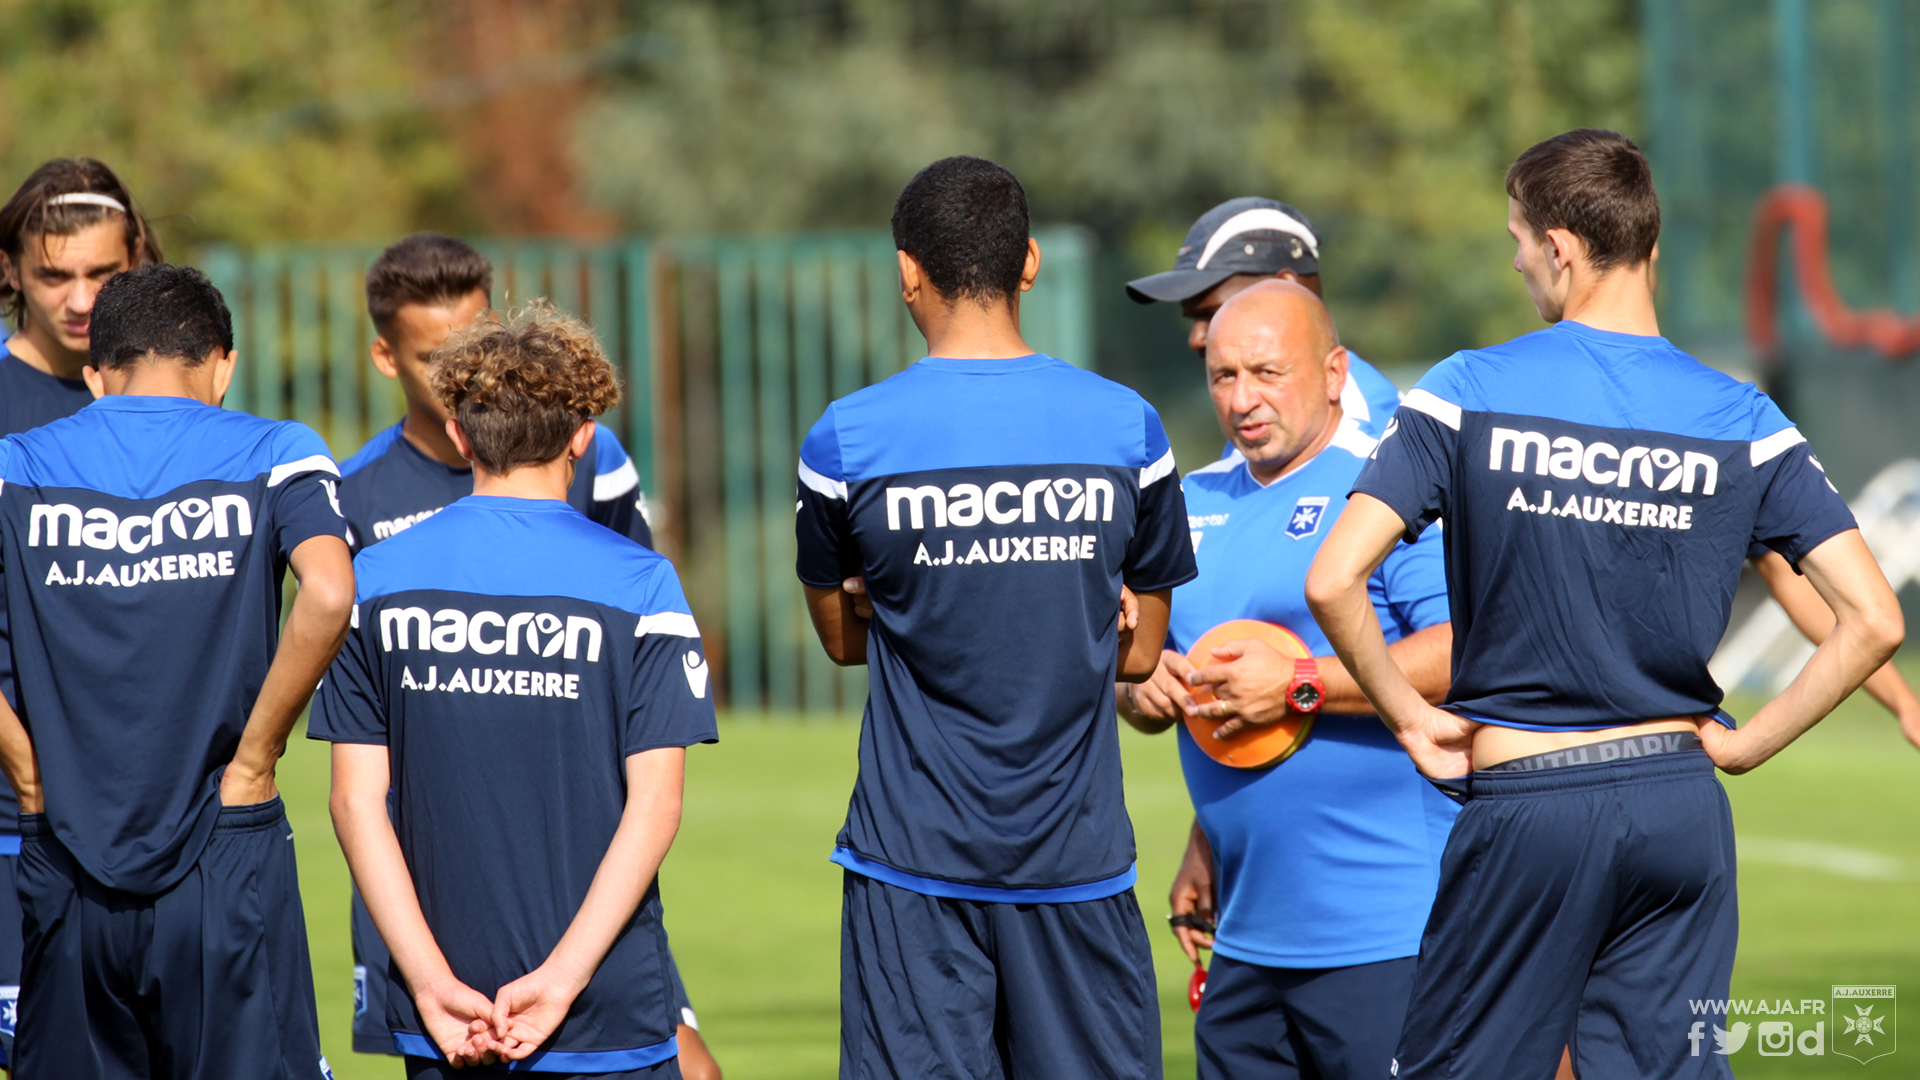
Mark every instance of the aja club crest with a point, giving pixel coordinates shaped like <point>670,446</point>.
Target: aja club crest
<point>1305,519</point>
<point>1865,1022</point>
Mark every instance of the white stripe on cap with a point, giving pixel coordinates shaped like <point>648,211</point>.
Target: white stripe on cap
<point>1765,450</point>
<point>317,463</point>
<point>616,483</point>
<point>670,623</point>
<point>1444,411</point>
<point>1264,217</point>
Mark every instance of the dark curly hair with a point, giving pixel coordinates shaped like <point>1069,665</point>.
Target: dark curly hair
<point>520,386</point>
<point>964,219</point>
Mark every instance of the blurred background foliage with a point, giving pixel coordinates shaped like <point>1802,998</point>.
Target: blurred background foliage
<point>1389,122</point>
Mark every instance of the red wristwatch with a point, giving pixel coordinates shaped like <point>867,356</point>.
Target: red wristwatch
<point>1306,691</point>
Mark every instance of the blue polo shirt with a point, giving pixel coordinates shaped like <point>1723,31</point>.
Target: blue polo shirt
<point>1600,491</point>
<point>390,485</point>
<point>511,655</point>
<point>1369,399</point>
<point>29,398</point>
<point>144,542</point>
<point>995,508</point>
<point>1330,858</point>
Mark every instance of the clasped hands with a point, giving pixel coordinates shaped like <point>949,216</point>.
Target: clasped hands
<point>1249,683</point>
<point>470,1029</point>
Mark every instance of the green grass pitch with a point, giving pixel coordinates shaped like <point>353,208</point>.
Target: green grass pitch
<point>1830,862</point>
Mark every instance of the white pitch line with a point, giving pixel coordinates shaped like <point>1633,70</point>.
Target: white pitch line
<point>1832,858</point>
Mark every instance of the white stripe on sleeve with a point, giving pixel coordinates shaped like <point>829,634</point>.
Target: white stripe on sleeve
<point>1157,470</point>
<point>1444,411</point>
<point>832,489</point>
<point>608,486</point>
<point>670,623</point>
<point>1765,450</point>
<point>317,463</point>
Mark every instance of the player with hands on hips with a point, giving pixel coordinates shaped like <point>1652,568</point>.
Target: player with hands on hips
<point>1600,489</point>
<point>1319,867</point>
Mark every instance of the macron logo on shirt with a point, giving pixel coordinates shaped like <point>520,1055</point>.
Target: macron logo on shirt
<point>964,505</point>
<point>1602,462</point>
<point>451,630</point>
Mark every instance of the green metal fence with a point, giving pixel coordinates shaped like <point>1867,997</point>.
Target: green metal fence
<point>730,347</point>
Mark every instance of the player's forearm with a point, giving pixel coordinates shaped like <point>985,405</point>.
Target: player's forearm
<point>1337,595</point>
<point>365,830</point>
<point>1425,656</point>
<point>1867,630</point>
<point>18,760</point>
<point>655,780</point>
<point>1814,619</point>
<point>1141,646</point>
<point>316,628</point>
<point>842,632</point>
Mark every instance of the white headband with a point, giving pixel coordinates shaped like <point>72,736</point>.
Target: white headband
<point>1262,218</point>
<point>88,198</point>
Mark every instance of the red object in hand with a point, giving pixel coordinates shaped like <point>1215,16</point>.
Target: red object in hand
<point>1197,986</point>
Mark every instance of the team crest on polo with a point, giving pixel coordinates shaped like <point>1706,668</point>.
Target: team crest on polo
<point>1305,519</point>
<point>1865,1022</point>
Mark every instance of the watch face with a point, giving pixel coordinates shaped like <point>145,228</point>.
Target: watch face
<point>1305,697</point>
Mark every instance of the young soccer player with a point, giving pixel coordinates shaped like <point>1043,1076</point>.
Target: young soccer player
<point>522,684</point>
<point>996,501</point>
<point>1321,868</point>
<point>418,291</point>
<point>144,541</point>
<point>1600,489</point>
<point>65,231</point>
<point>1243,242</point>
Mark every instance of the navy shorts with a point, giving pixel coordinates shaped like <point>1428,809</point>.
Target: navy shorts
<point>11,943</point>
<point>1578,907</point>
<point>370,960</point>
<point>938,988</point>
<point>209,980</point>
<point>1264,1023</point>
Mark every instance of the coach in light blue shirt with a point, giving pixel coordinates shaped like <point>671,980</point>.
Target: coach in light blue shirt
<point>1320,869</point>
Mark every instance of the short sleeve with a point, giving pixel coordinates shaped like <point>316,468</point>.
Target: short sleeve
<point>1160,554</point>
<point>823,529</point>
<point>1800,509</point>
<point>670,697</point>
<point>1410,588</point>
<point>617,499</point>
<point>303,490</point>
<point>349,706</point>
<point>1411,470</point>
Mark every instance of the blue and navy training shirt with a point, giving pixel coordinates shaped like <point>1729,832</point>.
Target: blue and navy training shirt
<point>1332,857</point>
<point>995,507</point>
<point>29,398</point>
<point>390,485</point>
<point>1600,492</point>
<point>144,541</point>
<point>511,655</point>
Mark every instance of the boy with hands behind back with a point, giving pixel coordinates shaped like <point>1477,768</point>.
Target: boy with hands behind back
<point>511,620</point>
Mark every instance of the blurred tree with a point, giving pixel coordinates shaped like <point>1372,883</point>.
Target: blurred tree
<point>1390,122</point>
<point>235,119</point>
